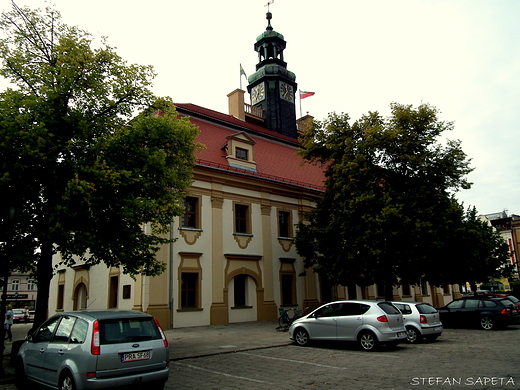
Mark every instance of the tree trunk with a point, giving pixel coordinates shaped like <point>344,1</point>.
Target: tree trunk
<point>44,276</point>
<point>389,292</point>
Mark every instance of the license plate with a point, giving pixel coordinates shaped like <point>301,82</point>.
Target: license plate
<point>133,356</point>
<point>437,329</point>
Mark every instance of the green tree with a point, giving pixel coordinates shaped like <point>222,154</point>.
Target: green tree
<point>388,208</point>
<point>482,253</point>
<point>87,178</point>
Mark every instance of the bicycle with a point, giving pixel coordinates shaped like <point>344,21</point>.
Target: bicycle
<point>284,320</point>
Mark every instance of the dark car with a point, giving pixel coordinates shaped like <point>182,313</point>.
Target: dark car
<point>486,313</point>
<point>512,298</point>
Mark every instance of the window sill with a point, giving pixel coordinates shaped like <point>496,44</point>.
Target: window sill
<point>243,234</point>
<point>190,229</point>
<point>286,238</point>
<point>241,307</point>
<point>189,309</point>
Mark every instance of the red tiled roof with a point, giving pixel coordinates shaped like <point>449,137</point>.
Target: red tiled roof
<point>274,154</point>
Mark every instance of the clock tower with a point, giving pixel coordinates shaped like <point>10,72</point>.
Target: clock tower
<point>272,87</point>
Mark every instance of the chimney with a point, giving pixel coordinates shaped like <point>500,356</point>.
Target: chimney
<point>236,104</point>
<point>304,123</point>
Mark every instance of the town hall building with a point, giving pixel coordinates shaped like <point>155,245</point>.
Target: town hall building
<point>234,258</point>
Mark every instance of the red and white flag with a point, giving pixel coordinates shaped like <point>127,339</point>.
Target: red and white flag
<point>305,94</point>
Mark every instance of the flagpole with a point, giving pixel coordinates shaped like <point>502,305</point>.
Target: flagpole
<point>300,97</point>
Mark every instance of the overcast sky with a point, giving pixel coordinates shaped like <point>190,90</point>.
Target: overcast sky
<point>461,56</point>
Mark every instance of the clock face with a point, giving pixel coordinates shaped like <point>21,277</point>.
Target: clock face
<point>286,92</point>
<point>258,93</point>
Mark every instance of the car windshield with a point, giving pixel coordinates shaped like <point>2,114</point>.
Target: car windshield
<point>126,330</point>
<point>513,299</point>
<point>425,308</point>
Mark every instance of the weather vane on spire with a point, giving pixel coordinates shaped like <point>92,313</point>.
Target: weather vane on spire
<point>268,4</point>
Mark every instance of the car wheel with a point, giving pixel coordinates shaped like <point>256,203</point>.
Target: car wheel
<point>20,379</point>
<point>301,336</point>
<point>367,341</point>
<point>487,323</point>
<point>67,382</point>
<point>412,335</point>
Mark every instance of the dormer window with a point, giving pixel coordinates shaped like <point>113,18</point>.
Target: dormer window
<point>239,149</point>
<point>241,154</point>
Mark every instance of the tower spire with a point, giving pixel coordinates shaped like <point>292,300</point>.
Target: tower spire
<point>269,16</point>
<point>272,87</point>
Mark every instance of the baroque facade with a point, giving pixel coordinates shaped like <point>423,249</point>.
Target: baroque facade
<point>234,258</point>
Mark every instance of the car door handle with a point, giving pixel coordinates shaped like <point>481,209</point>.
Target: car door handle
<point>42,350</point>
<point>61,352</point>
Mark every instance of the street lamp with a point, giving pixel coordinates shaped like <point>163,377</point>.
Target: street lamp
<point>15,299</point>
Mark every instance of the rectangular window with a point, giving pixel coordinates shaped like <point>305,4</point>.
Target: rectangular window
<point>406,290</point>
<point>287,289</point>
<point>15,284</point>
<point>189,218</point>
<point>241,154</point>
<point>113,292</point>
<point>127,291</point>
<point>240,290</point>
<point>61,295</point>
<point>424,288</point>
<point>380,290</point>
<point>352,291</point>
<point>189,286</point>
<point>241,218</point>
<point>284,220</point>
<point>31,285</point>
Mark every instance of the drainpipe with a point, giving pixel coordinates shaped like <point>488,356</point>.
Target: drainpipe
<point>170,279</point>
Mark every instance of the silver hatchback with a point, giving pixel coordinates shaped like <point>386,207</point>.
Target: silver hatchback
<point>421,320</point>
<point>366,322</point>
<point>94,350</point>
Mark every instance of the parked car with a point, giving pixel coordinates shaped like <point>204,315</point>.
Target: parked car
<point>487,313</point>
<point>94,350</point>
<point>366,322</point>
<point>421,321</point>
<point>512,298</point>
<point>18,315</point>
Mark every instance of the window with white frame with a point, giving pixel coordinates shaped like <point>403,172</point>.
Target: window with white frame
<point>31,285</point>
<point>15,284</point>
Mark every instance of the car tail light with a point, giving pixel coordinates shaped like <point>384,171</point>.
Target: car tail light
<point>382,319</point>
<point>506,310</point>
<point>94,346</point>
<point>423,319</point>
<point>164,339</point>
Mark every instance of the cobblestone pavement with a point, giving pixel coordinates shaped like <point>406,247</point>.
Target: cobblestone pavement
<point>460,359</point>
<point>256,356</point>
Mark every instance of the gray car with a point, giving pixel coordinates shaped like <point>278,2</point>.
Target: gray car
<point>422,321</point>
<point>366,322</point>
<point>94,350</point>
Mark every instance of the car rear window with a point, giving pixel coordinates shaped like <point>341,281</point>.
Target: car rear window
<point>127,330</point>
<point>506,302</point>
<point>513,299</point>
<point>388,308</point>
<point>425,308</point>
